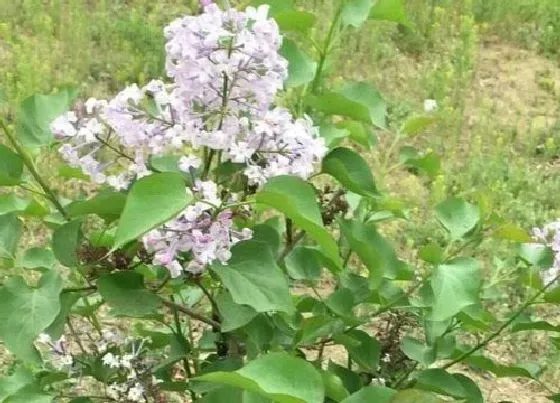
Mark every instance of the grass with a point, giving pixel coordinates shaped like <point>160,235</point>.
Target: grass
<point>490,64</point>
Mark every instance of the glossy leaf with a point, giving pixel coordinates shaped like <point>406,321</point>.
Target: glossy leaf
<point>537,325</point>
<point>333,135</point>
<point>296,199</point>
<point>359,132</point>
<point>363,349</point>
<point>415,396</point>
<point>66,241</point>
<point>351,170</point>
<point>156,198</point>
<point>253,278</point>
<point>294,20</point>
<point>527,370</point>
<point>125,293</point>
<point>277,376</point>
<point>416,125</point>
<point>37,113</point>
<point>31,393</point>
<point>418,351</point>
<point>472,391</point>
<point>455,285</point>
<point>11,167</point>
<point>458,217</point>
<point>334,388</point>
<point>304,263</point>
<point>107,204</point>
<point>537,255</point>
<point>11,384</point>
<point>26,311</point>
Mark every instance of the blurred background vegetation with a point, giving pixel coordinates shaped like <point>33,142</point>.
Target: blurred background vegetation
<point>491,65</point>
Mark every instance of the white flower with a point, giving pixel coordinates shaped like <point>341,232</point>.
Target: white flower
<point>44,338</point>
<point>111,360</point>
<point>188,162</point>
<point>136,393</point>
<point>430,105</point>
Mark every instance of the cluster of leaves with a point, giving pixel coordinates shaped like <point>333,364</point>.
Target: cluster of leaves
<point>260,338</point>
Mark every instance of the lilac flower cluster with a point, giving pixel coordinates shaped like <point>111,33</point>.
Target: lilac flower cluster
<point>549,235</point>
<point>226,71</point>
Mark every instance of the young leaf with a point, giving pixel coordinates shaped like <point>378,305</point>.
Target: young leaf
<point>456,285</point>
<point>10,232</point>
<point>293,20</point>
<point>351,170</point>
<point>389,10</point>
<point>356,12</point>
<point>37,113</point>
<point>253,278</point>
<point>510,232</point>
<point>108,204</point>
<point>26,311</point>
<point>376,253</point>
<point>356,100</point>
<point>277,376</point>
<point>440,381</point>
<point>370,394</point>
<point>416,125</point>
<point>66,241</point>
<point>458,217</point>
<point>234,315</point>
<point>125,293</point>
<point>296,199</point>
<point>301,68</point>
<point>156,199</point>
<point>11,167</point>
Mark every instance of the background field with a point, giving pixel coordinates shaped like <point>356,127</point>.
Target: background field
<point>492,66</point>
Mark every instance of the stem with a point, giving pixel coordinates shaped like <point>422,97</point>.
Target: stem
<point>181,335</point>
<point>324,52</point>
<point>290,246</point>
<point>191,313</point>
<point>75,335</point>
<point>494,335</point>
<point>28,162</point>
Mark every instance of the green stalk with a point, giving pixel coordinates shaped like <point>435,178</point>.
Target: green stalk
<point>28,162</point>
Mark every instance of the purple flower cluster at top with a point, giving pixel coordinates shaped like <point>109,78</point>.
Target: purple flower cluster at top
<point>549,235</point>
<point>225,70</point>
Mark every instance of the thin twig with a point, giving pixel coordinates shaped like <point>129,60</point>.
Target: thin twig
<point>506,324</point>
<point>191,313</point>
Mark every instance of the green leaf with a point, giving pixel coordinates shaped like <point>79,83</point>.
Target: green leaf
<point>67,301</point>
<point>11,384</point>
<point>276,6</point>
<point>472,392</point>
<point>304,263</point>
<point>415,396</point>
<point>418,351</point>
<point>66,241</point>
<point>37,113</point>
<point>431,253</point>
<point>416,125</point>
<point>455,285</point>
<point>277,376</point>
<point>107,204</point>
<point>26,311</point>
<point>440,381</point>
<point>296,199</point>
<point>537,255</point>
<point>234,315</point>
<point>458,217</point>
<point>333,135</point>
<point>293,20</point>
<point>350,379</point>
<point>528,370</point>
<point>318,326</point>
<point>553,296</point>
<point>301,68</point>
<point>253,278</point>
<point>510,232</point>
<point>356,12</point>
<point>341,302</point>
<point>430,164</point>
<point>156,198</point>
<point>374,251</point>
<point>356,100</point>
<point>11,167</point>
<point>359,132</point>
<point>334,388</point>
<point>371,394</point>
<point>125,293</point>
<point>537,325</point>
<point>10,203</point>
<point>363,349</point>
<point>36,258</point>
<point>10,232</point>
<point>389,10</point>
<point>351,170</point>
<point>29,394</point>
